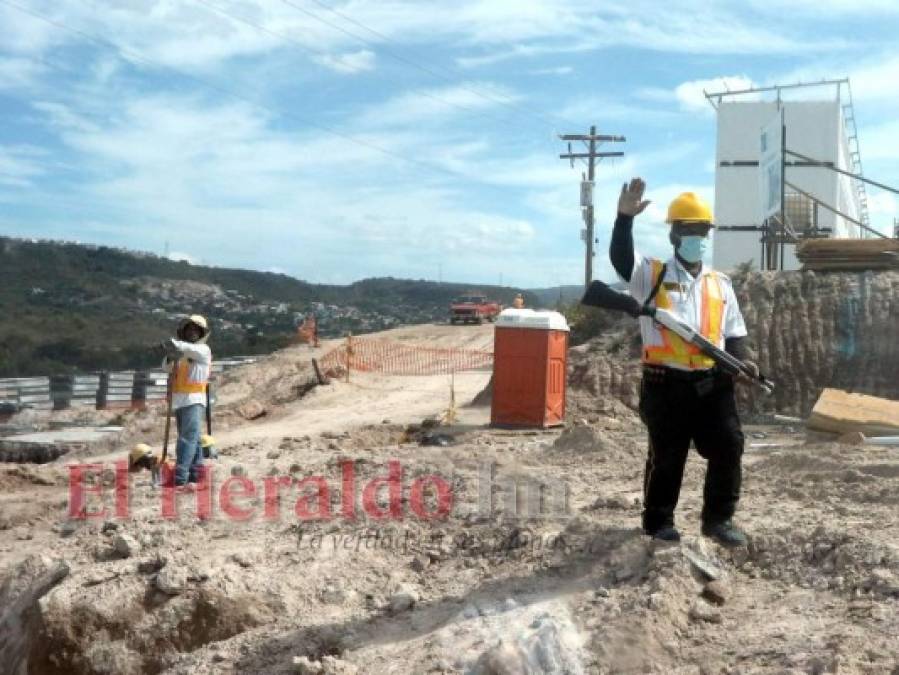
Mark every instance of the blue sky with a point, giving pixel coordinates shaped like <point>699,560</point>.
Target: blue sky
<point>335,140</point>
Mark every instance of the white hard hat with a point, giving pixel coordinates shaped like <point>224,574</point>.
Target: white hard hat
<point>199,321</point>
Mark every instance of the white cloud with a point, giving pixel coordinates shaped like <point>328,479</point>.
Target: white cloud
<point>871,78</point>
<point>17,72</point>
<point>21,33</point>
<point>178,256</point>
<point>548,28</point>
<point>348,63</point>
<point>588,107</point>
<point>201,35</point>
<point>818,8</point>
<point>556,70</point>
<point>424,106</point>
<point>656,94</point>
<point>880,142</point>
<point>882,203</point>
<point>20,165</point>
<point>875,82</point>
<point>183,169</point>
<point>518,51</point>
<point>244,185</point>
<point>691,95</point>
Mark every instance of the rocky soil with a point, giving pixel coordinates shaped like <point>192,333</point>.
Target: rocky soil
<point>539,566</point>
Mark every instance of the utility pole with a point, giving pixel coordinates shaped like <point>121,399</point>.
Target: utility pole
<point>591,140</point>
<point>895,228</point>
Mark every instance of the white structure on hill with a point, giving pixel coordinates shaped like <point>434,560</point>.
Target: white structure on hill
<point>822,130</point>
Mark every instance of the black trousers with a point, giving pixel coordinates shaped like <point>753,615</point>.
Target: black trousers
<point>678,408</point>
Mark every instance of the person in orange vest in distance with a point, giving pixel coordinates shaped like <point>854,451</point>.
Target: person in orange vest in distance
<point>189,360</point>
<point>683,397</point>
<point>518,302</point>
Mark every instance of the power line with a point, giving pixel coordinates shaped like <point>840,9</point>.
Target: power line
<point>320,53</point>
<point>415,64</point>
<point>128,55</point>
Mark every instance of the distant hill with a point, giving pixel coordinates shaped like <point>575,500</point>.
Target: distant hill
<point>549,297</point>
<point>69,307</point>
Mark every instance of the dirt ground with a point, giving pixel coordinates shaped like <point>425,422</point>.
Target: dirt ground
<point>540,566</point>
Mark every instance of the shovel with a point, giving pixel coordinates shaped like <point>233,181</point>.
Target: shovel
<point>208,409</point>
<point>168,418</point>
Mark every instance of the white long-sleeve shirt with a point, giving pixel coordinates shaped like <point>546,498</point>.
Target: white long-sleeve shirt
<point>199,356</point>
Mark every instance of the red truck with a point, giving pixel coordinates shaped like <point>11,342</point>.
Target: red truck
<point>473,309</point>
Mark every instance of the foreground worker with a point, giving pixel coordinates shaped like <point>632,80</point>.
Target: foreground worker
<point>683,397</point>
<point>518,302</point>
<point>189,360</point>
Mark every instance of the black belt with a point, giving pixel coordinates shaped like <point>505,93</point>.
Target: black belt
<point>658,373</point>
<point>702,381</point>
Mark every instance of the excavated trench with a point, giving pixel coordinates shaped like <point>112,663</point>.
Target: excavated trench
<point>51,627</point>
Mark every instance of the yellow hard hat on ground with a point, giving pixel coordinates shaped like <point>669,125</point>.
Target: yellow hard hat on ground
<point>138,452</point>
<point>206,440</point>
<point>690,207</point>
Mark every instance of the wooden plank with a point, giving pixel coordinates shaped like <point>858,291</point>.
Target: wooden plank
<point>840,412</point>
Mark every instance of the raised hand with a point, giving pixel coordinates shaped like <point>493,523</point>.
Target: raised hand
<point>631,202</point>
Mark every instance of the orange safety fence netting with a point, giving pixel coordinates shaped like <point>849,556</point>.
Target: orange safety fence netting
<point>392,358</point>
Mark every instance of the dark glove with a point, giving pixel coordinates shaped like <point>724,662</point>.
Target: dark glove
<point>169,350</point>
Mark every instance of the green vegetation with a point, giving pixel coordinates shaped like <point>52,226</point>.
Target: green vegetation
<point>71,308</point>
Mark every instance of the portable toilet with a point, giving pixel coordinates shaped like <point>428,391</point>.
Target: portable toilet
<point>530,360</point>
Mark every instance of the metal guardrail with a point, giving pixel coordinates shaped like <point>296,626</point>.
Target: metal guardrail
<point>105,390</point>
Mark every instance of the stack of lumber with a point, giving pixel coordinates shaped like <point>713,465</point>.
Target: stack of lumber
<point>840,412</point>
<point>848,254</point>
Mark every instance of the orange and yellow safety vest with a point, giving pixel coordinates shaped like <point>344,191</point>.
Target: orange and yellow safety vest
<point>674,350</point>
<point>182,382</point>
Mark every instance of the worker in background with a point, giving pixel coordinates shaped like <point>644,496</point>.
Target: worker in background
<point>143,457</point>
<point>189,360</point>
<point>518,302</point>
<point>683,397</point>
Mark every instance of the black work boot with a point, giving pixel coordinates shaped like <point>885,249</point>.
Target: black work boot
<point>725,533</point>
<point>666,533</point>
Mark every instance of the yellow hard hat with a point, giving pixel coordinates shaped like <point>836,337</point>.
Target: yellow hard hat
<point>688,206</point>
<point>138,452</point>
<point>206,440</point>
